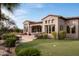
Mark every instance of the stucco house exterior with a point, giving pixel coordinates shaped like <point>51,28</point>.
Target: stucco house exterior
<point>55,23</point>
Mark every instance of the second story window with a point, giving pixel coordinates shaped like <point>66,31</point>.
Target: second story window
<point>52,20</point>
<point>46,22</point>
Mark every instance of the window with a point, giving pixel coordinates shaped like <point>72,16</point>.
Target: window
<point>73,29</point>
<point>61,27</point>
<point>52,21</point>
<point>53,28</point>
<point>48,21</point>
<point>68,29</point>
<point>45,21</point>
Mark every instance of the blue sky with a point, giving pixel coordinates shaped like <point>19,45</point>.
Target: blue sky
<point>36,12</point>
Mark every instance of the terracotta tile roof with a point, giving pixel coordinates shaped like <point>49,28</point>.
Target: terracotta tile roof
<point>52,15</point>
<point>33,22</point>
<point>70,18</point>
<point>65,18</point>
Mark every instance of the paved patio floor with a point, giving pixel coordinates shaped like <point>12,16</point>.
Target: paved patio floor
<point>26,38</point>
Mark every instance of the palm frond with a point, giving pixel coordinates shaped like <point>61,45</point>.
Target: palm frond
<point>10,6</point>
<point>4,17</point>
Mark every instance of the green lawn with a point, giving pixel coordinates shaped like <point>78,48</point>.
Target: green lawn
<point>53,47</point>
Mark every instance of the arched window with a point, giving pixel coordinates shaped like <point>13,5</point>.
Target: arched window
<point>52,20</point>
<point>68,29</point>
<point>73,29</point>
<point>46,22</point>
<point>53,28</point>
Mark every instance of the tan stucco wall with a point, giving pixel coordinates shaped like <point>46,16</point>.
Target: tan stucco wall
<point>76,23</point>
<point>55,21</point>
<point>61,22</point>
<point>26,24</point>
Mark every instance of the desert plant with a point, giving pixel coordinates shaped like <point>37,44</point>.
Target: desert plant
<point>28,52</point>
<point>54,34</point>
<point>62,34</point>
<point>10,42</point>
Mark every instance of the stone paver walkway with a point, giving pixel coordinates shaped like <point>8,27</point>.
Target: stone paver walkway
<point>23,38</point>
<point>3,52</point>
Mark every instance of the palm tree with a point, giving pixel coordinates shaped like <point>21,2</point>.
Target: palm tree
<point>10,7</point>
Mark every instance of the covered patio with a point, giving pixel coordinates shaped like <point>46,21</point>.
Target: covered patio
<point>36,29</point>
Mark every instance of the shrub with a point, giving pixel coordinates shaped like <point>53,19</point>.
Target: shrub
<point>10,42</point>
<point>10,39</point>
<point>28,52</point>
<point>54,35</point>
<point>8,35</point>
<point>62,34</point>
<point>41,36</point>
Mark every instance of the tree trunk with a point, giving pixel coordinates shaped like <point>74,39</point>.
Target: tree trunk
<point>0,11</point>
<point>0,17</point>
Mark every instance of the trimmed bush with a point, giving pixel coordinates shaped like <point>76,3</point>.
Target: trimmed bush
<point>42,36</point>
<point>28,52</point>
<point>54,35</point>
<point>62,34</point>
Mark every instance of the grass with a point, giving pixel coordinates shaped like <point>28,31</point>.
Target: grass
<point>53,47</point>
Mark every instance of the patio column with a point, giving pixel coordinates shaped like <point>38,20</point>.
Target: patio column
<point>30,29</point>
<point>48,28</point>
<point>51,28</point>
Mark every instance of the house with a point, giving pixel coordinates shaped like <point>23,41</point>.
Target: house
<point>55,23</point>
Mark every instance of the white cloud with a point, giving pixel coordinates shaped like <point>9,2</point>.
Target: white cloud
<point>18,16</point>
<point>18,22</point>
<point>38,5</point>
<point>35,5</point>
<point>20,12</point>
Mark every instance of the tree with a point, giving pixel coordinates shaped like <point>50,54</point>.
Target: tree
<point>10,7</point>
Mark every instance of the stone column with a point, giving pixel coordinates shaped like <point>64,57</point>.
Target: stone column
<point>51,28</point>
<point>30,29</point>
<point>57,28</point>
<point>77,29</point>
<point>48,28</point>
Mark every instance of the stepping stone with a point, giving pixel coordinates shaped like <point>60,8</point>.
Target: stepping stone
<point>3,53</point>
